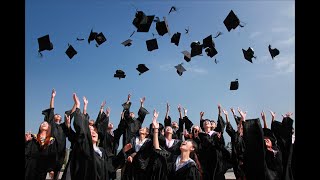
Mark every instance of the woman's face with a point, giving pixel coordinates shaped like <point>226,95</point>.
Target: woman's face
<point>268,142</point>
<point>44,126</point>
<point>196,129</point>
<point>110,126</point>
<point>168,130</point>
<point>57,118</point>
<point>207,124</point>
<point>186,146</point>
<point>143,131</point>
<point>213,125</point>
<point>94,134</point>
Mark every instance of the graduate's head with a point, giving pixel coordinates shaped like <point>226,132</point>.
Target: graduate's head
<point>195,129</point>
<point>188,146</point>
<point>168,130</point>
<point>144,131</point>
<point>174,124</point>
<point>213,124</point>
<point>91,122</point>
<point>131,115</point>
<point>94,134</point>
<point>110,125</point>
<point>45,126</point>
<point>268,142</point>
<point>207,124</point>
<point>57,118</point>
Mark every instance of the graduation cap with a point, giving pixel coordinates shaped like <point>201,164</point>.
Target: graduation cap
<point>269,134</point>
<point>119,74</point>
<point>152,44</point>
<point>234,85</point>
<point>273,52</point>
<point>180,69</point>
<point>208,42</point>
<point>196,48</point>
<point>162,27</point>
<point>231,21</point>
<point>71,52</point>
<point>187,56</point>
<point>100,38</point>
<point>142,22</point>
<point>142,68</point>
<point>127,42</point>
<point>44,43</point>
<point>176,38</point>
<point>211,51</point>
<point>92,36</point>
<point>248,54</point>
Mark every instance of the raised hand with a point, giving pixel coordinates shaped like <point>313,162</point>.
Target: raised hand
<point>103,104</point>
<point>201,114</point>
<point>53,93</point>
<point>129,97</point>
<point>142,100</point>
<point>108,110</point>
<point>179,108</point>
<point>76,100</point>
<point>28,136</point>
<point>67,120</point>
<point>288,114</point>
<point>273,114</point>
<point>263,115</point>
<point>185,111</point>
<point>155,124</point>
<point>242,114</point>
<point>127,147</point>
<point>168,106</point>
<point>85,100</point>
<point>225,112</point>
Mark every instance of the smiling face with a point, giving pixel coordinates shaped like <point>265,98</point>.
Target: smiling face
<point>144,131</point>
<point>168,130</point>
<point>207,124</point>
<point>186,146</point>
<point>94,134</point>
<point>57,118</point>
<point>213,125</point>
<point>44,126</point>
<point>268,142</point>
<point>174,124</point>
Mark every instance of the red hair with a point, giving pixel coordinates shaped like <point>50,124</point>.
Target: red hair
<point>48,136</point>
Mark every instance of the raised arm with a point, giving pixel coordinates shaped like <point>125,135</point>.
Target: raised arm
<point>142,111</point>
<point>229,129</point>
<point>180,113</point>
<point>201,120</point>
<point>155,126</point>
<point>236,118</point>
<point>102,106</point>
<point>263,117</point>
<point>85,105</point>
<point>53,94</point>
<point>225,112</point>
<point>142,101</point>
<point>168,109</point>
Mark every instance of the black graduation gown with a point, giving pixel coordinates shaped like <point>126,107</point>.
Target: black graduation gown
<point>273,164</point>
<point>254,160</point>
<point>137,170</point>
<point>237,151</point>
<point>132,126</point>
<point>283,133</point>
<point>58,131</point>
<point>85,163</point>
<point>187,172</point>
<point>39,161</point>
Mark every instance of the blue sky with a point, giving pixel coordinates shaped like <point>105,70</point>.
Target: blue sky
<point>265,84</point>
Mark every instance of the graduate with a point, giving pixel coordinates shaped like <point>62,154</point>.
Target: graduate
<point>88,160</point>
<point>177,128</point>
<point>238,146</point>
<point>58,131</point>
<point>133,124</point>
<point>184,167</point>
<point>40,153</point>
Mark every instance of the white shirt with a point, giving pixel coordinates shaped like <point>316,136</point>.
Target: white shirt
<point>169,143</point>
<point>180,165</point>
<point>139,144</point>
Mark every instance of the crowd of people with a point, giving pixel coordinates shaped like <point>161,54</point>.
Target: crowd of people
<point>182,149</point>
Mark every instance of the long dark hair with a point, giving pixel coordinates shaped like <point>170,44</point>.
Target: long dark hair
<point>194,156</point>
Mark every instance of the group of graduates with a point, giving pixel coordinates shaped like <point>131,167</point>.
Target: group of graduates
<point>173,150</point>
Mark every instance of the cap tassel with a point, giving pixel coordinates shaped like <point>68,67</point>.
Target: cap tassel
<point>40,54</point>
<point>218,34</point>
<point>242,25</point>
<point>132,33</point>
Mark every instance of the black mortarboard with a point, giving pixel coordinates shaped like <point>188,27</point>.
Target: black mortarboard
<point>234,85</point>
<point>248,54</point>
<point>176,38</point>
<point>211,51</point>
<point>142,68</point>
<point>273,52</point>
<point>92,36</point>
<point>180,69</point>
<point>231,21</point>
<point>196,48</point>
<point>127,42</point>
<point>269,134</point>
<point>162,27</point>
<point>119,74</point>
<point>187,56</point>
<point>208,42</point>
<point>44,43</point>
<point>100,38</point>
<point>142,22</point>
<point>71,52</point>
<point>152,44</point>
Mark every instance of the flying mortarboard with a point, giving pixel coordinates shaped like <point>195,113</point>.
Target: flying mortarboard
<point>100,38</point>
<point>234,85</point>
<point>180,69</point>
<point>176,38</point>
<point>231,21</point>
<point>211,51</point>
<point>162,27</point>
<point>142,68</point>
<point>92,36</point>
<point>127,42</point>
<point>152,44</point>
<point>248,54</point>
<point>71,52</point>
<point>196,48</point>
<point>142,22</point>
<point>208,42</point>
<point>44,43</point>
<point>119,74</point>
<point>187,56</point>
<point>273,52</point>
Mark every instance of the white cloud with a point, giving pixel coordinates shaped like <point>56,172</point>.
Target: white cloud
<point>285,42</point>
<point>282,65</point>
<point>166,67</point>
<point>254,35</point>
<point>279,29</point>
<point>197,70</point>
